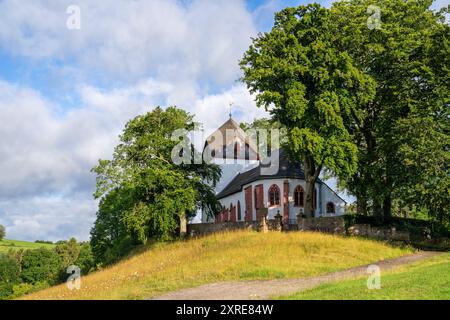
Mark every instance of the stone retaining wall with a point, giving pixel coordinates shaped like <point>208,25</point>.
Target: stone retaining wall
<point>334,225</point>
<point>195,229</point>
<point>367,230</point>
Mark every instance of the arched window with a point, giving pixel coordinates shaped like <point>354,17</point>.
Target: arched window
<point>299,196</point>
<point>274,195</point>
<point>239,210</point>
<point>236,150</point>
<point>331,208</point>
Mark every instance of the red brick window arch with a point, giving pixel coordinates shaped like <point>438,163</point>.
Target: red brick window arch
<point>274,196</point>
<point>299,196</point>
<point>331,208</point>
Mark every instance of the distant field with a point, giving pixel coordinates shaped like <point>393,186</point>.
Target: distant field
<point>240,255</point>
<point>424,280</point>
<point>6,245</point>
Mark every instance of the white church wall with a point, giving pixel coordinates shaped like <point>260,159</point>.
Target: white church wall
<point>330,196</point>
<point>325,195</point>
<point>293,210</point>
<point>233,199</point>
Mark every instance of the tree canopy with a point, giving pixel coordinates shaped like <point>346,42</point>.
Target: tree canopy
<point>403,140</point>
<point>312,88</point>
<point>143,193</point>
<point>363,90</point>
<point>2,232</point>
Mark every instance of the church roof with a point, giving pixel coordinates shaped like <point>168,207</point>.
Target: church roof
<point>217,140</point>
<point>286,169</point>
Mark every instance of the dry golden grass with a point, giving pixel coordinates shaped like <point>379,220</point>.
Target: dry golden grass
<point>240,255</point>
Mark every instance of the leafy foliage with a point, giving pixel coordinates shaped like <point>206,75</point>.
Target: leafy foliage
<point>312,88</point>
<point>9,275</point>
<point>41,265</point>
<point>403,138</point>
<point>142,193</point>
<point>26,271</point>
<point>2,232</point>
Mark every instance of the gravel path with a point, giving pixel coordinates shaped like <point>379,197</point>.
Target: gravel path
<point>263,289</point>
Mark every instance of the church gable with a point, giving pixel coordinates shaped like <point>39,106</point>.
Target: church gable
<point>229,141</point>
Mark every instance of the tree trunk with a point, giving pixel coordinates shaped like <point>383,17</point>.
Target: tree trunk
<point>311,174</point>
<point>361,205</point>
<point>387,208</point>
<point>183,225</point>
<point>309,203</point>
<point>377,211</point>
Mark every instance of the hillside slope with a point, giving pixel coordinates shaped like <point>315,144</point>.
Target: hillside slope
<point>240,255</point>
<point>424,280</point>
<point>6,245</point>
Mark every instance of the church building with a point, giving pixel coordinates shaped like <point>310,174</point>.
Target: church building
<point>246,190</point>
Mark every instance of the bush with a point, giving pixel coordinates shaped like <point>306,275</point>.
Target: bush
<point>2,232</point>
<point>68,251</point>
<point>43,241</point>
<point>41,265</point>
<point>85,259</point>
<point>9,275</point>
<point>73,253</point>
<point>21,289</point>
<point>26,288</point>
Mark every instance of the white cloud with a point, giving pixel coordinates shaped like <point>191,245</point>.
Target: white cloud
<point>48,217</point>
<point>128,57</point>
<point>146,53</point>
<point>45,181</point>
<point>128,40</point>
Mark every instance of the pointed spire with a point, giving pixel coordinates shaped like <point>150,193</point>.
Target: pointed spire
<point>230,105</point>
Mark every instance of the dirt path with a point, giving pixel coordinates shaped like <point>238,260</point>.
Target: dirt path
<point>263,289</point>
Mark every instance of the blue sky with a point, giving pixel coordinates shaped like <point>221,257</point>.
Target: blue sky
<point>65,95</point>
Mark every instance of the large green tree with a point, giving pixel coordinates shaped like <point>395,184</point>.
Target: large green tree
<point>312,88</point>
<point>403,140</point>
<point>143,193</point>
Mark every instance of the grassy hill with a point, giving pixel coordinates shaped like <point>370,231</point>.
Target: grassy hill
<point>428,279</point>
<point>240,255</point>
<point>6,245</point>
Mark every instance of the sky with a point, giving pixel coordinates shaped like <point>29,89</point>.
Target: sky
<point>66,93</point>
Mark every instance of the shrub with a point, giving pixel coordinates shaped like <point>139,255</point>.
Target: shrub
<point>9,275</point>
<point>40,265</point>
<point>85,259</point>
<point>2,232</point>
<point>26,288</point>
<point>68,251</point>
<point>43,241</point>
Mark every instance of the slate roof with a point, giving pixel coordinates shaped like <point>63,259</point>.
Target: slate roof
<point>287,169</point>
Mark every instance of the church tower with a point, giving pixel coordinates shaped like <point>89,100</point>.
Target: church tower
<point>233,150</point>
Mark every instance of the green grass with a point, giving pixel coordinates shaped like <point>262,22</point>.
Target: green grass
<point>6,245</point>
<point>425,280</point>
<point>228,256</point>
